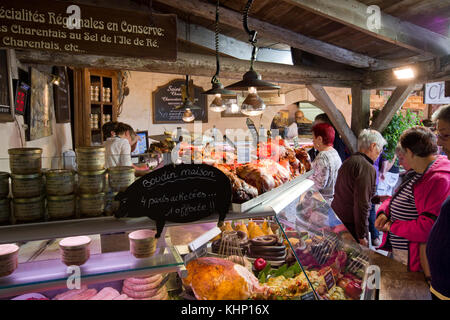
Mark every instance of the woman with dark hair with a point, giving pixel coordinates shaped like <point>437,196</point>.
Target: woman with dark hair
<point>327,162</point>
<point>409,215</point>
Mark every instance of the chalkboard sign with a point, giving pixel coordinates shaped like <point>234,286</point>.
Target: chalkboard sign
<point>169,96</point>
<point>61,95</point>
<point>182,193</point>
<point>308,296</point>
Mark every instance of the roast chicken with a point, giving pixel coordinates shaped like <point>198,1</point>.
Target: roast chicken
<point>242,191</point>
<point>213,278</point>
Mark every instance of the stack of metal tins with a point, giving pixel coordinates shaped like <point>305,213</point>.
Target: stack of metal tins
<point>60,187</point>
<point>119,179</point>
<point>91,180</point>
<point>27,184</point>
<point>4,200</point>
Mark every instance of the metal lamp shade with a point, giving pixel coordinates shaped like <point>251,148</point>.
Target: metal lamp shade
<point>188,116</point>
<point>218,105</point>
<point>252,79</point>
<point>219,89</point>
<point>253,105</point>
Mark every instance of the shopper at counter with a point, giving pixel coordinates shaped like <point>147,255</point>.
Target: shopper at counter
<point>438,245</point>
<point>327,162</point>
<point>355,185</point>
<point>430,187</point>
<point>118,147</point>
<point>338,144</point>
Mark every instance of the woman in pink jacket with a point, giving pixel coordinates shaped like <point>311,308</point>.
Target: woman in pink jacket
<point>407,220</point>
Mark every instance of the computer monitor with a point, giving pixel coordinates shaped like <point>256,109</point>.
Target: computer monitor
<point>142,145</point>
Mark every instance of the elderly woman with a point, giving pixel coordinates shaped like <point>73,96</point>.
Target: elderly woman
<point>355,185</point>
<point>409,215</point>
<point>327,162</point>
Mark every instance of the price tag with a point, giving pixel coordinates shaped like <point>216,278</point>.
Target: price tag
<point>296,144</point>
<point>308,296</point>
<point>329,280</point>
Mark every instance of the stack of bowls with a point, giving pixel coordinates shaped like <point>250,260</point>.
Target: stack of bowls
<point>91,180</point>
<point>4,200</point>
<point>27,183</point>
<point>60,187</point>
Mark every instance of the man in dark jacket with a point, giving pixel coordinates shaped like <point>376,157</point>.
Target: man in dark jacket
<point>356,185</point>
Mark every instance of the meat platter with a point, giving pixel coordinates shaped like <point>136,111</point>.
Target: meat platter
<point>248,205</point>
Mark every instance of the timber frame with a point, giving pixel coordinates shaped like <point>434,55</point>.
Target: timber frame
<point>317,62</point>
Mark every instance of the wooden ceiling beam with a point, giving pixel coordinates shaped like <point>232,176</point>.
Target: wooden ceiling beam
<point>234,19</point>
<point>427,71</point>
<point>395,102</point>
<point>336,117</point>
<point>355,15</point>
<point>199,65</point>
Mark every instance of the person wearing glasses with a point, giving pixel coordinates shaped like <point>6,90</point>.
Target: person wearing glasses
<point>355,185</point>
<point>409,219</point>
<point>438,245</point>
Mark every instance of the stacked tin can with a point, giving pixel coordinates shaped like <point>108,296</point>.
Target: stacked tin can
<point>119,179</point>
<point>106,94</point>
<point>91,180</point>
<point>95,93</point>
<point>61,200</point>
<point>27,184</point>
<point>4,200</point>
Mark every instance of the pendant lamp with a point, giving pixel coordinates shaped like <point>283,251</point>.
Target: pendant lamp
<point>252,81</point>
<point>187,105</point>
<point>218,104</point>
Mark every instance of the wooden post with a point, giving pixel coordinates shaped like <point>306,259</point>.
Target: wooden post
<point>391,107</point>
<point>335,116</point>
<point>360,109</point>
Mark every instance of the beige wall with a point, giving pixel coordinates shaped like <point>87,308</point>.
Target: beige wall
<point>53,146</point>
<point>137,107</point>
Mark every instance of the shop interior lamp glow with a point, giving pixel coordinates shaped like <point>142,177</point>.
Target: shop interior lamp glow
<point>404,73</point>
<point>219,103</point>
<point>251,81</point>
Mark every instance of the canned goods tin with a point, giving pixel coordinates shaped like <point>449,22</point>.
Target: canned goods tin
<point>91,182</point>
<point>4,184</point>
<point>9,259</point>
<point>30,209</point>
<point>120,178</point>
<point>25,160</point>
<point>60,182</point>
<point>92,205</point>
<point>75,250</point>
<point>61,207</point>
<point>90,158</point>
<point>27,186</point>
<point>4,210</point>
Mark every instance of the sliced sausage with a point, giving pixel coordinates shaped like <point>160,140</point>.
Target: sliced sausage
<point>69,293</point>
<point>85,295</point>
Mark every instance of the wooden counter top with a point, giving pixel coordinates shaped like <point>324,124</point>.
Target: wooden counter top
<point>396,282</point>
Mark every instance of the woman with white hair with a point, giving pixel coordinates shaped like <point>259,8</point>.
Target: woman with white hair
<point>356,185</point>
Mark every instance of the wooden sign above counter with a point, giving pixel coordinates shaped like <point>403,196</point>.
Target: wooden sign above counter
<point>82,29</point>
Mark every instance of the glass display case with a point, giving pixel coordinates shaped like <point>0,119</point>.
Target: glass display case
<point>306,250</point>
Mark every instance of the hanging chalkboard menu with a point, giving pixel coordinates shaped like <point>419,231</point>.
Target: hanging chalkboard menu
<point>168,96</point>
<point>182,193</point>
<point>61,95</point>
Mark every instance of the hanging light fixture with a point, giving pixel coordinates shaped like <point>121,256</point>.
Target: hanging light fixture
<point>187,105</point>
<point>218,104</point>
<point>252,81</point>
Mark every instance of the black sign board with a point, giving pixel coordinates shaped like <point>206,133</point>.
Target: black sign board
<point>6,88</point>
<point>182,193</point>
<point>22,91</point>
<point>329,280</point>
<point>61,95</point>
<point>447,89</point>
<point>169,96</point>
<point>308,296</point>
<point>75,28</point>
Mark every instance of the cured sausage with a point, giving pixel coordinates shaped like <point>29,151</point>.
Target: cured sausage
<point>140,294</point>
<point>85,295</point>
<point>67,294</point>
<point>144,280</point>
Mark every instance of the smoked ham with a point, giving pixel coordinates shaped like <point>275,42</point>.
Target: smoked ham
<point>213,278</point>
<point>242,191</point>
